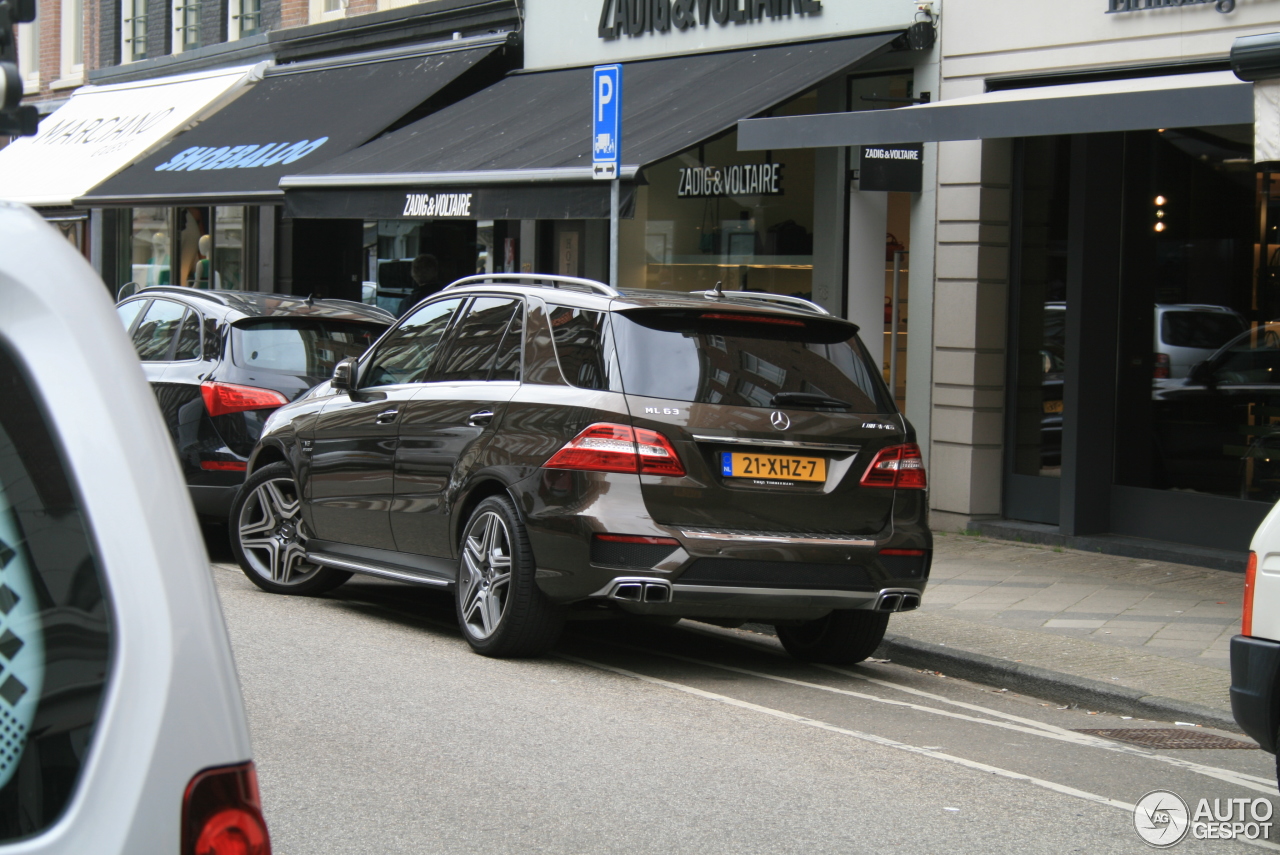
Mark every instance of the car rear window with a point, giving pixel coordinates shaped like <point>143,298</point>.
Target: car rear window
<point>744,360</point>
<point>299,345</point>
<point>55,628</point>
<point>1207,330</point>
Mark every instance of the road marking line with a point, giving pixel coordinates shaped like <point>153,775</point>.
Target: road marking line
<point>1248,782</point>
<point>1052,786</point>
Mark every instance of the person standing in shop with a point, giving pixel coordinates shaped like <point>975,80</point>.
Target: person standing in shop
<point>425,273</point>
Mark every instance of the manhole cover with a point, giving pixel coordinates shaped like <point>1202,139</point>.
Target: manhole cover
<point>1167,737</point>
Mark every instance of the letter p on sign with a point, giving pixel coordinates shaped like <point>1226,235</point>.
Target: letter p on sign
<point>606,120</point>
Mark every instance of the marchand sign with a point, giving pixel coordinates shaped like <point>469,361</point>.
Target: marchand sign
<point>1114,6</point>
<point>637,17</point>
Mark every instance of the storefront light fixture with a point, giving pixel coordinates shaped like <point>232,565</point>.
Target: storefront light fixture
<point>1160,200</point>
<point>1159,227</point>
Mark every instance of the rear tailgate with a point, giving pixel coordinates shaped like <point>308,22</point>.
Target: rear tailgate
<point>739,393</point>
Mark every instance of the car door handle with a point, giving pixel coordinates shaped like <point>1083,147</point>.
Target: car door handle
<point>386,417</point>
<point>480,419</point>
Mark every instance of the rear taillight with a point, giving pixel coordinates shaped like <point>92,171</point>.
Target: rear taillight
<point>1162,367</point>
<point>223,398</point>
<point>643,539</point>
<point>618,448</point>
<point>1250,573</point>
<point>224,465</point>
<point>899,466</point>
<point>906,552</point>
<point>222,813</point>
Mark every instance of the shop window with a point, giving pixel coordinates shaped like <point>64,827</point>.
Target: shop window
<point>1040,335</point>
<point>228,248</point>
<point>186,25</point>
<point>715,214</point>
<point>1198,409</point>
<point>133,30</point>
<point>149,247</point>
<point>246,18</point>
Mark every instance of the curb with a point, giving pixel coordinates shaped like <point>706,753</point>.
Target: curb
<point>1047,684</point>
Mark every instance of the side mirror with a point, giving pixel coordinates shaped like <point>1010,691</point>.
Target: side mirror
<point>344,375</point>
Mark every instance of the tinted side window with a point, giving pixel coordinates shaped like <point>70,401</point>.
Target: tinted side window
<point>188,338</point>
<point>580,346</point>
<point>406,354</point>
<point>128,312</point>
<point>510,362</point>
<point>156,330</point>
<point>474,345</point>
<point>55,629</point>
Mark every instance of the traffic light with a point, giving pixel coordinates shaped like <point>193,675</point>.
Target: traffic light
<point>15,120</point>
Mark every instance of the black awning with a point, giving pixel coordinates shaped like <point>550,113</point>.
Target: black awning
<point>1131,104</point>
<point>299,114</point>
<point>535,127</point>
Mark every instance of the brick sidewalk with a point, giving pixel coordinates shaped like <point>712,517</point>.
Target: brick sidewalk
<point>1162,629</point>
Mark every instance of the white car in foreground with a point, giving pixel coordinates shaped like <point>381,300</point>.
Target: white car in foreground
<point>1255,652</point>
<point>122,729</point>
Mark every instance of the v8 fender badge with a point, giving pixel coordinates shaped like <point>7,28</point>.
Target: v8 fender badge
<point>779,420</point>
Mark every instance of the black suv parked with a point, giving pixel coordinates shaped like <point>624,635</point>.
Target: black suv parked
<point>549,447</point>
<point>220,361</point>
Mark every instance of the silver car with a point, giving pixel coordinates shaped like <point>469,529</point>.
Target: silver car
<point>1187,333</point>
<point>121,723</point>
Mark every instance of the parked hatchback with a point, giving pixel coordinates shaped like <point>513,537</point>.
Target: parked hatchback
<point>220,361</point>
<point>124,731</point>
<point>559,450</point>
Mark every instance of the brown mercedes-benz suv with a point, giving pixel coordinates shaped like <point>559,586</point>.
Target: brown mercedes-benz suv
<point>551,448</point>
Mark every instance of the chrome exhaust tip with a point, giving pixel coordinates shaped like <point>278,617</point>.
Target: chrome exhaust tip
<point>909,602</point>
<point>637,590</point>
<point>897,600</point>
<point>632,592</point>
<point>889,603</point>
<point>657,593</point>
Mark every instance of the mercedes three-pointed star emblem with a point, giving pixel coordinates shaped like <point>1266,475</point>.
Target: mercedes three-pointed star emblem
<point>779,420</point>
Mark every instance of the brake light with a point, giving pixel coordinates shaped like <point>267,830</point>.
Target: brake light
<point>222,813</point>
<point>909,552</point>
<point>898,467</point>
<point>223,398</point>
<point>618,448</point>
<point>752,319</point>
<point>1250,574</point>
<point>638,538</point>
<point>1162,367</point>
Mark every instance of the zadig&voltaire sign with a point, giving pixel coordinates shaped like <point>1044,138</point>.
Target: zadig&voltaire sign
<point>637,17</point>
<point>1114,6</point>
<point>746,179</point>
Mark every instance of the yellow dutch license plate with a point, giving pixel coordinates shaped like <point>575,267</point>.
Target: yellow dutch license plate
<point>1053,406</point>
<point>775,467</point>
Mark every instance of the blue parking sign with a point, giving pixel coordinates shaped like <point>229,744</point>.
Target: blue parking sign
<point>606,120</point>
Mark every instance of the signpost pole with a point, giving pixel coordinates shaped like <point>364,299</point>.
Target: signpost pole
<point>615,191</point>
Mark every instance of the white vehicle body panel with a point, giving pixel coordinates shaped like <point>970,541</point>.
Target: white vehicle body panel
<point>172,705</point>
<point>1266,586</point>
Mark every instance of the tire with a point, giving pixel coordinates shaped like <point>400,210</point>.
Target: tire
<point>269,538</point>
<point>501,610</point>
<point>841,638</point>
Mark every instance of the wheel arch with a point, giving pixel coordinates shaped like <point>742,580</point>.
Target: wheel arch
<point>265,455</point>
<point>477,494</point>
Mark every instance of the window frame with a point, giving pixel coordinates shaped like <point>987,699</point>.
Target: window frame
<point>446,341</point>
<point>128,26</point>
<point>71,34</point>
<point>28,38</point>
<point>177,10</point>
<point>171,349</point>
<point>235,20</point>
<point>449,339</point>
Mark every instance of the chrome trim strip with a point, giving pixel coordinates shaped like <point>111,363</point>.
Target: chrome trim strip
<point>833,540</point>
<point>867,596</point>
<point>370,570</point>
<point>779,443</point>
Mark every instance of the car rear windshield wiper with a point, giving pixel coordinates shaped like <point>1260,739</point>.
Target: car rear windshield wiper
<point>805,399</point>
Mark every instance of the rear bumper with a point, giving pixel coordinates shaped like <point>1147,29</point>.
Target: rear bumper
<point>1255,667</point>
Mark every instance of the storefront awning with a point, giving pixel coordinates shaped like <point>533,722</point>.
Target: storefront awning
<point>1169,101</point>
<point>299,114</point>
<point>103,129</point>
<point>534,128</point>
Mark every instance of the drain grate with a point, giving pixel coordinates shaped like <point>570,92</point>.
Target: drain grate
<point>1167,737</point>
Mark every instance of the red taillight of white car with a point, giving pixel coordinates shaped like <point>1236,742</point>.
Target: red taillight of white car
<point>1162,370</point>
<point>222,813</point>
<point>900,467</point>
<point>1250,573</point>
<point>604,447</point>
<point>223,398</point>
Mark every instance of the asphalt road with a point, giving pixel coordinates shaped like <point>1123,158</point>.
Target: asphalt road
<point>376,729</point>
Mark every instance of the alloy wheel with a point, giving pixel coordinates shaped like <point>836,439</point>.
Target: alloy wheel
<point>486,575</point>
<point>271,533</point>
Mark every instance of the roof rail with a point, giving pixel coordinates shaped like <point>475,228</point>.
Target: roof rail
<point>760,296</point>
<point>551,281</point>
